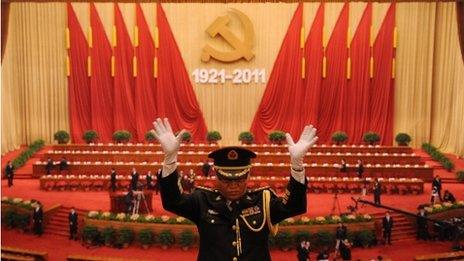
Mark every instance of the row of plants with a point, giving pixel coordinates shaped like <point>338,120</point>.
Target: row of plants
<point>122,217</point>
<point>19,202</point>
<point>286,240</point>
<point>25,155</point>
<point>438,156</point>
<point>14,219</point>
<point>123,237</point>
<point>437,208</point>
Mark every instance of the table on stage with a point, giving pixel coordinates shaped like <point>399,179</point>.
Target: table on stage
<point>118,203</point>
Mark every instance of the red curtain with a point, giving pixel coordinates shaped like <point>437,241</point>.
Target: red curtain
<point>356,116</point>
<point>78,81</point>
<point>313,54</point>
<point>123,103</point>
<point>334,85</point>
<point>101,82</point>
<point>382,94</point>
<point>5,18</point>
<point>280,107</point>
<point>145,84</point>
<point>175,98</point>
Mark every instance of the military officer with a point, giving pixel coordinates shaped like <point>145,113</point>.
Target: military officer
<point>234,223</point>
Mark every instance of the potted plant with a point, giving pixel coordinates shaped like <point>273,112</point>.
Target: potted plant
<point>186,239</point>
<point>365,238</point>
<point>109,236</point>
<point>277,137</point>
<point>9,219</point>
<point>371,137</point>
<point>213,137</point>
<point>61,136</point>
<point>90,136</point>
<point>300,236</point>
<point>460,175</point>
<point>166,239</point>
<point>246,137</point>
<point>403,139</point>
<point>322,239</point>
<point>339,137</point>
<point>90,234</point>
<point>150,137</point>
<point>146,238</point>
<point>22,222</point>
<point>284,240</point>
<point>187,137</point>
<point>122,136</point>
<point>125,237</point>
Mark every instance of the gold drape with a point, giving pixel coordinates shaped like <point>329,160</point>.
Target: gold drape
<point>428,100</point>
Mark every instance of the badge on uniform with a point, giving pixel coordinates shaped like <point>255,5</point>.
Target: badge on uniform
<point>251,211</point>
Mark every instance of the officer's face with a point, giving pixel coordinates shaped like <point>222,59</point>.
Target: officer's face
<point>232,189</point>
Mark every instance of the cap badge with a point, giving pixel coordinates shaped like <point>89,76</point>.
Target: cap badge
<point>232,155</point>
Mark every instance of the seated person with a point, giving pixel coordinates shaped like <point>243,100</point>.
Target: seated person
<point>449,197</point>
<point>63,165</point>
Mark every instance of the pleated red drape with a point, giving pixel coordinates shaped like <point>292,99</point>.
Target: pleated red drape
<point>280,107</point>
<point>101,82</point>
<point>334,85</point>
<point>145,83</point>
<point>175,98</point>
<point>382,94</point>
<point>124,111</point>
<point>356,116</point>
<point>78,81</point>
<point>314,55</point>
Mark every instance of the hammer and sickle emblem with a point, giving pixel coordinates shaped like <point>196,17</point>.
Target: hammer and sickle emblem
<point>242,49</point>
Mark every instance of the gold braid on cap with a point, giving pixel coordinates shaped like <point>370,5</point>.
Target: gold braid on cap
<point>220,170</point>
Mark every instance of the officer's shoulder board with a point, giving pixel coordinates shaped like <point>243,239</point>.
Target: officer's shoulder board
<point>261,189</point>
<point>206,189</point>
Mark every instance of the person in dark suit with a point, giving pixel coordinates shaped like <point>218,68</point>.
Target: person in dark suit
<point>134,179</point>
<point>437,184</point>
<point>49,166</point>
<point>340,235</point>
<point>149,180</point>
<point>387,226</point>
<point>233,222</point>
<point>345,250</point>
<point>422,225</point>
<point>63,165</point>
<point>9,173</point>
<point>37,220</point>
<point>303,250</point>
<point>206,168</point>
<point>360,168</point>
<point>449,197</point>
<point>343,168</point>
<point>377,189</point>
<point>128,200</point>
<point>73,222</point>
<point>113,177</point>
<point>323,254</point>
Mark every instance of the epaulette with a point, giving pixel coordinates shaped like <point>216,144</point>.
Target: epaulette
<point>206,189</point>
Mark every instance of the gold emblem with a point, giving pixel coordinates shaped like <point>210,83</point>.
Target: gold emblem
<point>232,155</point>
<point>242,49</point>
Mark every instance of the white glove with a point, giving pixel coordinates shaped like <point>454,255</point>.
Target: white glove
<point>169,143</point>
<point>298,151</point>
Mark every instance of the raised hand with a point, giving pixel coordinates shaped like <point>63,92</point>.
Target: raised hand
<point>169,143</point>
<point>297,151</point>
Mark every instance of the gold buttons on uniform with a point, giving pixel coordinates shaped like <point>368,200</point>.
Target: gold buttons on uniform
<point>212,221</point>
<point>234,227</point>
<point>234,259</point>
<point>234,243</point>
<point>254,222</point>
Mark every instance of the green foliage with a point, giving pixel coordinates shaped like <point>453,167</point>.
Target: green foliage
<point>246,137</point>
<point>90,136</point>
<point>125,236</point>
<point>25,155</point>
<point>150,136</point>
<point>300,236</point>
<point>186,238</point>
<point>365,238</point>
<point>339,137</point>
<point>166,238</point>
<point>187,137</point>
<point>403,139</point>
<point>9,219</point>
<point>122,136</point>
<point>90,233</point>
<point>61,136</point>
<point>371,137</point>
<point>322,239</point>
<point>109,235</point>
<point>460,175</point>
<point>213,136</point>
<point>276,137</point>
<point>284,240</point>
<point>438,156</point>
<point>146,237</point>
